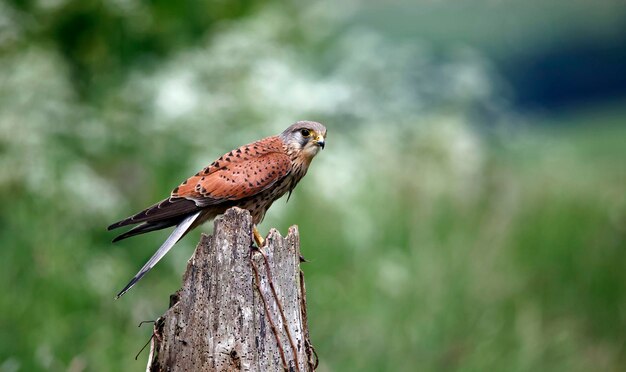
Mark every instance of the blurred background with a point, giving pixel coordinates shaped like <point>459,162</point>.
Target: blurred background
<point>468,213</point>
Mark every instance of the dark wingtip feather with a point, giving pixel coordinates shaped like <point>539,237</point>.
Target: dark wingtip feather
<point>164,210</point>
<point>118,224</point>
<point>125,235</point>
<point>118,238</point>
<point>112,226</point>
<point>147,227</point>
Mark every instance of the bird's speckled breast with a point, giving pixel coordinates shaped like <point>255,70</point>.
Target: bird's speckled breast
<point>259,204</point>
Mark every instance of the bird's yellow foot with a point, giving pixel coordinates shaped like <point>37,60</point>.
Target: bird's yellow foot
<point>258,239</point>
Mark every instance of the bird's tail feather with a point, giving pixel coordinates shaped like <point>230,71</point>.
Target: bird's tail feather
<point>174,237</point>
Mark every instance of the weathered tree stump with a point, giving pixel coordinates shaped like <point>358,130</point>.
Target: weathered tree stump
<point>231,313</point>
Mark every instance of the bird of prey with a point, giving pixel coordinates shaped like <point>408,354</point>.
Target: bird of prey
<point>251,177</point>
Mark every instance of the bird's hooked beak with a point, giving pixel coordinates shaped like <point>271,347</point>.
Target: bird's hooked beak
<point>319,140</point>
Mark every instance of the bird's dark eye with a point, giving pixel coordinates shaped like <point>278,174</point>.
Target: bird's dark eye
<point>305,132</point>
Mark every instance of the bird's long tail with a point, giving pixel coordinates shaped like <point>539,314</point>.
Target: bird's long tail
<point>174,237</point>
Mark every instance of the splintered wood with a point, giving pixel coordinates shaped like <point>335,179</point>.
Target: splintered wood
<point>240,308</point>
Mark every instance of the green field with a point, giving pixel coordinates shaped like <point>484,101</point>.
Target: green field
<point>518,264</point>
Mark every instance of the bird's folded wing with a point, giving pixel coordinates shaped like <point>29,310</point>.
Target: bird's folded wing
<point>236,180</point>
<point>225,180</point>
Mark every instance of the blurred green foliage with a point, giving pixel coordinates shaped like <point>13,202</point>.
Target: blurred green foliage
<point>436,242</point>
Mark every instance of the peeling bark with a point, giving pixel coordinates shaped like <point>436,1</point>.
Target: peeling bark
<point>231,313</point>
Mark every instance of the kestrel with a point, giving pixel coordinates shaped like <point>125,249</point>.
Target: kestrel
<point>251,177</point>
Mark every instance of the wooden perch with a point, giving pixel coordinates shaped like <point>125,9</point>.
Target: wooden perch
<point>240,308</point>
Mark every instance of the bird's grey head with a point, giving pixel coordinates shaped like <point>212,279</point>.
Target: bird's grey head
<point>307,136</point>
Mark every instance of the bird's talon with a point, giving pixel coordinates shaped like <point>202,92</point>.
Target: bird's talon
<point>258,239</point>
